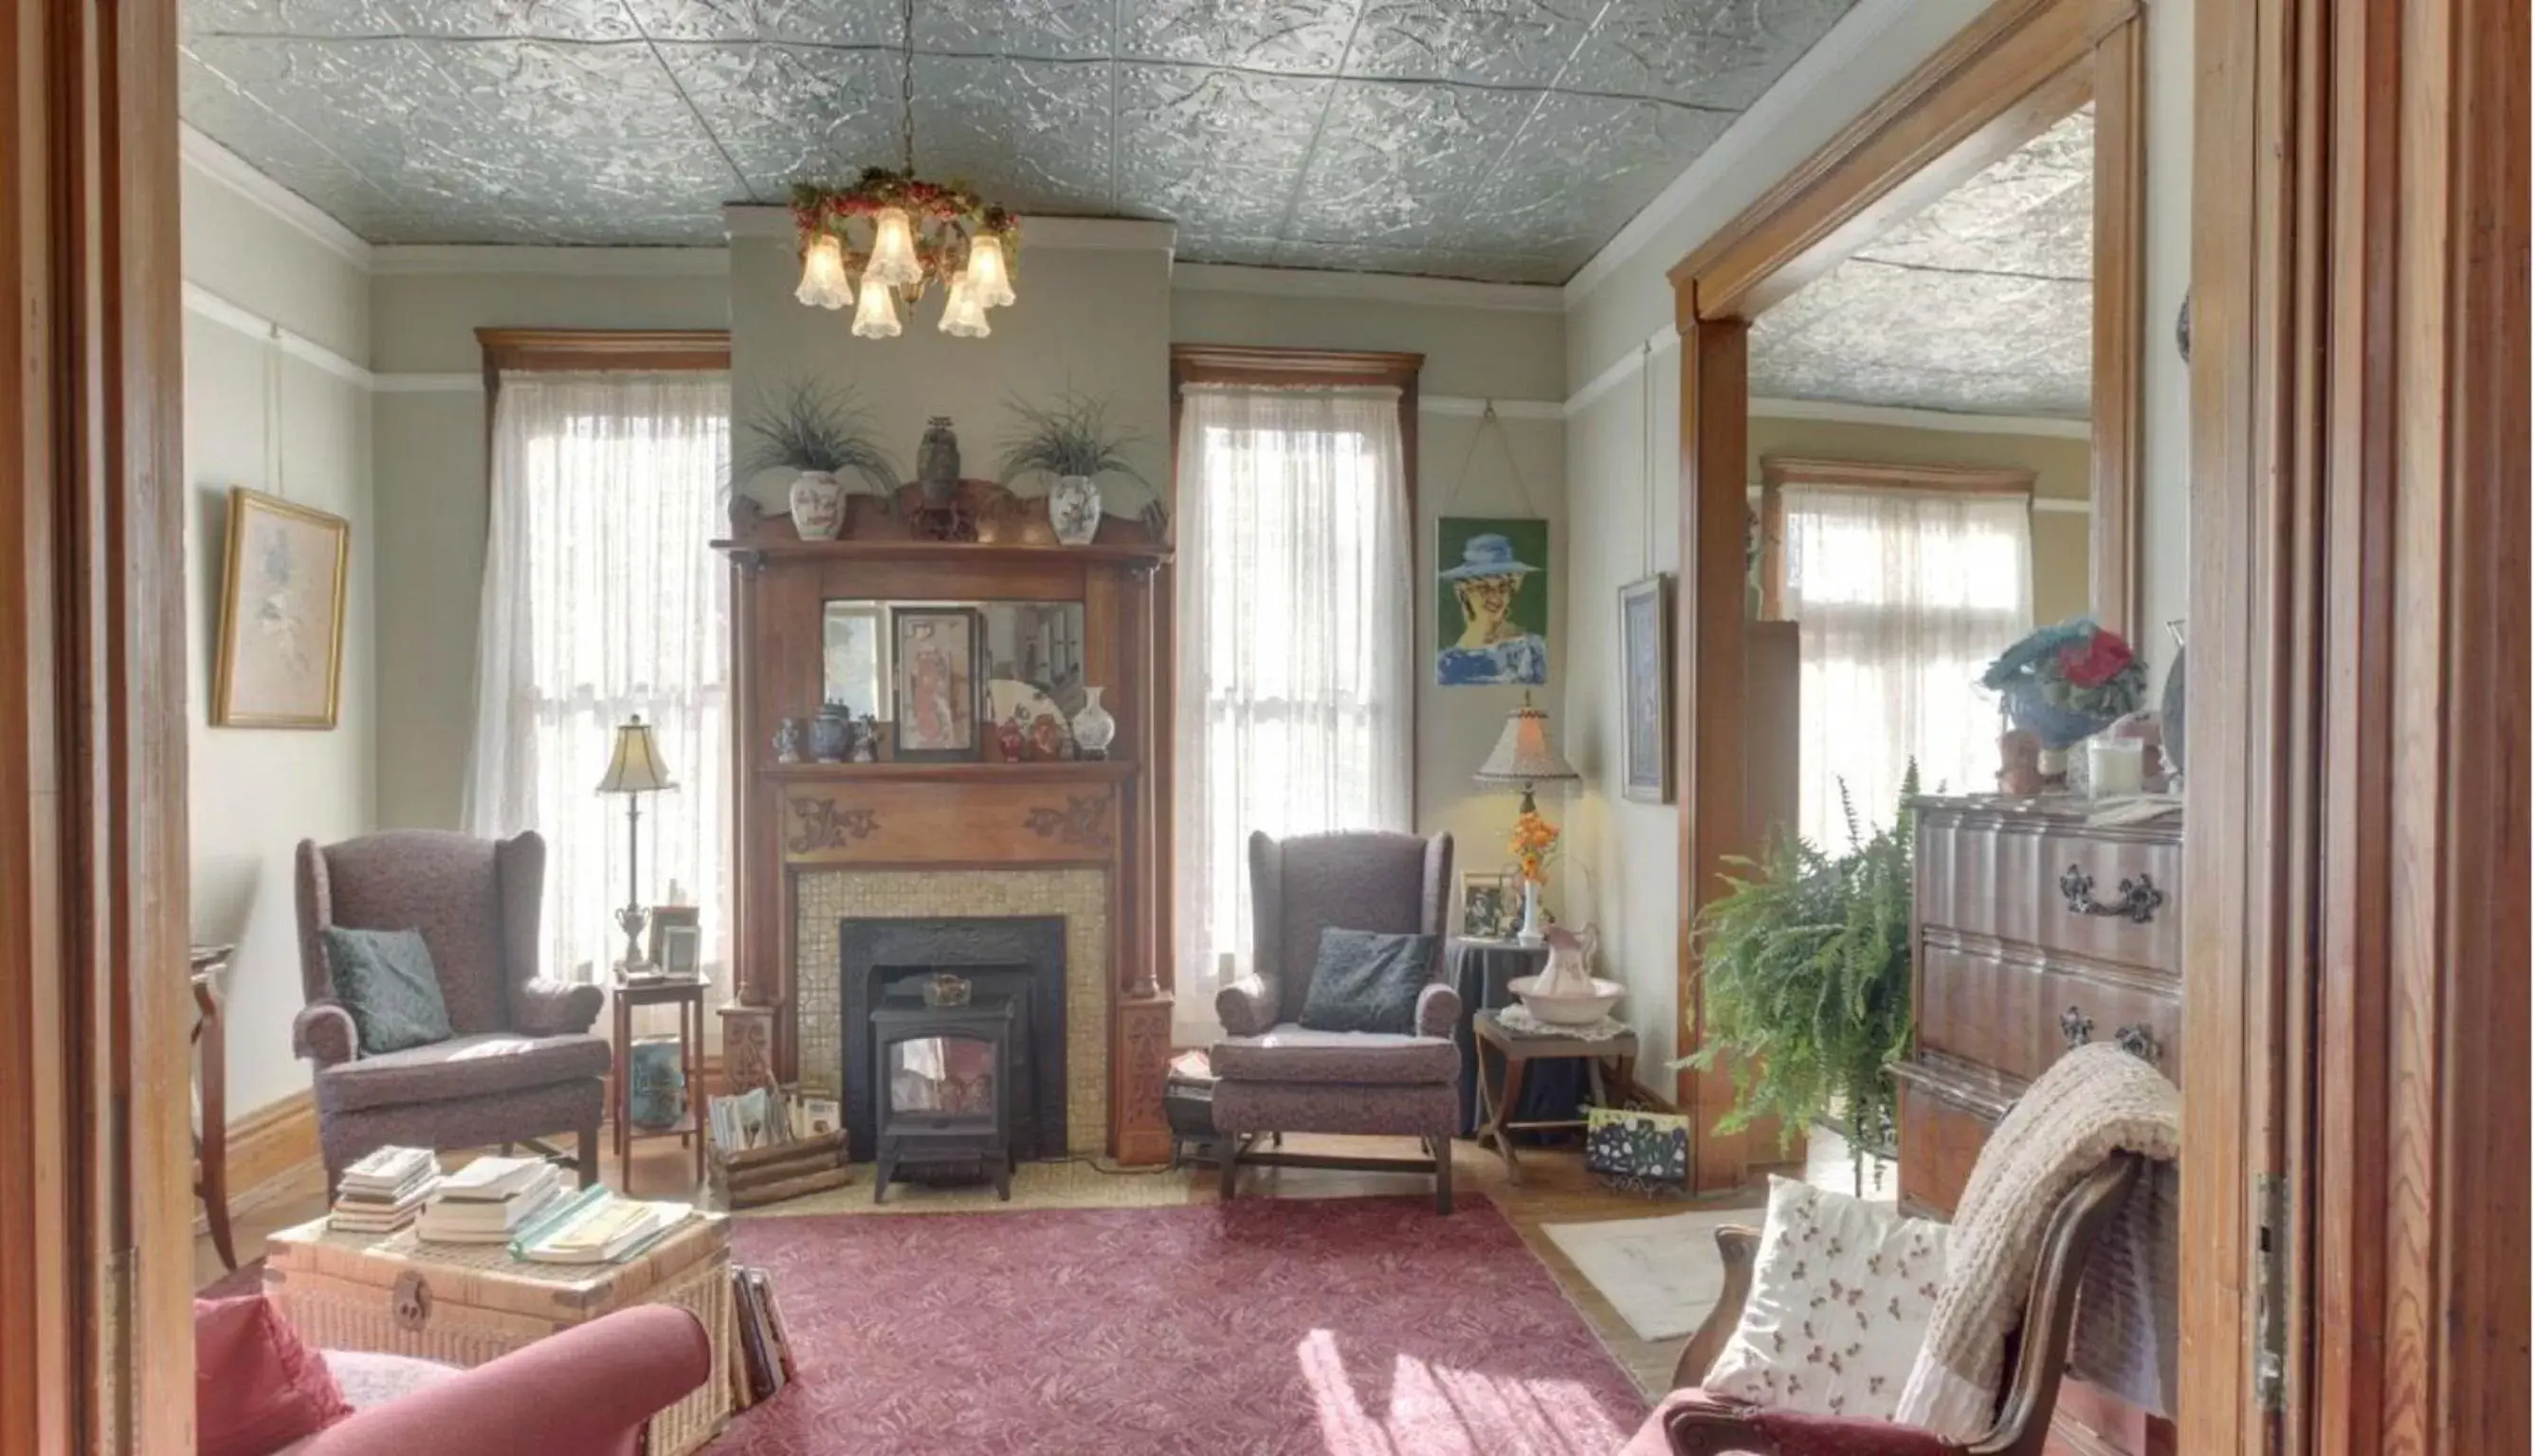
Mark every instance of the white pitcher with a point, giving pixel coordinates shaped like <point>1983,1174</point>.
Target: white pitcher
<point>1570,961</point>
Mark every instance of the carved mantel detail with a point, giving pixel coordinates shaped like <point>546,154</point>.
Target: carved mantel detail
<point>1083,821</point>
<point>823,825</point>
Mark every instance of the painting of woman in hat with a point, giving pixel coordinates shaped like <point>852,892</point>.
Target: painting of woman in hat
<point>1494,645</point>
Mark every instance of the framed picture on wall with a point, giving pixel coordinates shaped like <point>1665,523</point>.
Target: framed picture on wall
<point>1491,595</point>
<point>1644,653</point>
<point>282,615</point>
<point>939,685</point>
<point>856,657</point>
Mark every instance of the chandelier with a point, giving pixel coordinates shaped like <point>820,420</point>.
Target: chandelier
<point>899,233</point>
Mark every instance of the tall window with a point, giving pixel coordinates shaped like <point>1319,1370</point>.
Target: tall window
<point>1904,595</point>
<point>603,599</point>
<point>1294,637</point>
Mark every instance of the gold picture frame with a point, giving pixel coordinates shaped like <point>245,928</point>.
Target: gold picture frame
<point>281,658</point>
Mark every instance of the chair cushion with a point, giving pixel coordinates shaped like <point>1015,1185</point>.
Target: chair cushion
<point>1293,1053</point>
<point>257,1385</point>
<point>460,1066</point>
<point>385,979</point>
<point>1367,981</point>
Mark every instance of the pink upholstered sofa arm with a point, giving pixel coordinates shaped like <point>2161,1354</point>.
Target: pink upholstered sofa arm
<point>1437,1011</point>
<point>1246,1006</point>
<point>585,1392</point>
<point>552,1009</point>
<point>324,1033</point>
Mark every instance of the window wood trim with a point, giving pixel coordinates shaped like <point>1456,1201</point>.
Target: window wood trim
<point>582,349</point>
<point>1777,472</point>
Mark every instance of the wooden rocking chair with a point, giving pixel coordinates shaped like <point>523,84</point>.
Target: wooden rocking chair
<point>1697,1425</point>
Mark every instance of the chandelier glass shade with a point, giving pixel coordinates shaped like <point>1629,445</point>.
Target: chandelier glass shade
<point>895,235</point>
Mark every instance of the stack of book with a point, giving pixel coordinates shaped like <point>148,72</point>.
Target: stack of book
<point>597,1227</point>
<point>489,1199</point>
<point>761,1364</point>
<point>385,1192</point>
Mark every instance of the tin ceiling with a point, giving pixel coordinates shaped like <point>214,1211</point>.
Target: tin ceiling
<point>1982,304</point>
<point>1499,140</point>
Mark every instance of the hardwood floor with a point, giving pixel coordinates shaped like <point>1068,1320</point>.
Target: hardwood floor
<point>1554,1189</point>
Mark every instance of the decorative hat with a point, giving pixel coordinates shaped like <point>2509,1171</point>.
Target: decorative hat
<point>1488,554</point>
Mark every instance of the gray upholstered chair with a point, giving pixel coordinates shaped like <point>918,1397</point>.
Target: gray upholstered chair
<point>1272,1075</point>
<point>521,1064</point>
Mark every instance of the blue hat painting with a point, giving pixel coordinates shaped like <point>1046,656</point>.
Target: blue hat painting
<point>1492,603</point>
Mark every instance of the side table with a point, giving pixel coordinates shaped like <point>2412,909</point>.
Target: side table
<point>686,993</point>
<point>1517,1053</point>
<point>1482,972</point>
<point>212,1097</point>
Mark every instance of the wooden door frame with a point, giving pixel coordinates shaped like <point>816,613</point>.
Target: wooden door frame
<point>2016,71</point>
<point>95,1192</point>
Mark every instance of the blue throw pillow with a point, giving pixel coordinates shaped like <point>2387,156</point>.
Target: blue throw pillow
<point>385,979</point>
<point>1364,981</point>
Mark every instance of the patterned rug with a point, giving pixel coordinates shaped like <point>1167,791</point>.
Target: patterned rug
<point>1351,1327</point>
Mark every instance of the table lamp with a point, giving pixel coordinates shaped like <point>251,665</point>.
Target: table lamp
<point>634,771</point>
<point>1525,758</point>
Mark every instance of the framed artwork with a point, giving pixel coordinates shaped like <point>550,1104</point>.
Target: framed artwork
<point>282,615</point>
<point>1491,595</point>
<point>856,657</point>
<point>682,953</point>
<point>1490,903</point>
<point>1644,650</point>
<point>667,918</point>
<point>938,689</point>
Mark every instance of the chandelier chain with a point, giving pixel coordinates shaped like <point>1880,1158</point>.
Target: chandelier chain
<point>906,87</point>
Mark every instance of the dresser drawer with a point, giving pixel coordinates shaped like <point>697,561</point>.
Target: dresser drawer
<point>2007,1008</point>
<point>2106,894</point>
<point>1940,1137</point>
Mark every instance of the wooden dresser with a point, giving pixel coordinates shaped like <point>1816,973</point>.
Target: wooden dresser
<point>2034,932</point>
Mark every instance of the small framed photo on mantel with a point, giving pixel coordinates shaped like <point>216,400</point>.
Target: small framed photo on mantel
<point>938,684</point>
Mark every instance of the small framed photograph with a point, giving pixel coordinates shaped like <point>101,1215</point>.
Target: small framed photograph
<point>682,953</point>
<point>1644,651</point>
<point>282,615</point>
<point>664,918</point>
<point>856,657</point>
<point>1490,903</point>
<point>938,691</point>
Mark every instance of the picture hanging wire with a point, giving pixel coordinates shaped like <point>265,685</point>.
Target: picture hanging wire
<point>272,350</point>
<point>1488,420</point>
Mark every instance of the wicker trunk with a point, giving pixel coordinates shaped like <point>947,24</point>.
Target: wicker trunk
<point>464,1305</point>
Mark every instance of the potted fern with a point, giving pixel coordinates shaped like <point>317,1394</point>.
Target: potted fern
<point>1071,441</point>
<point>1804,968</point>
<point>820,436</point>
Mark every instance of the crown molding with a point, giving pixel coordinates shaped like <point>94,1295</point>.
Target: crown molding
<point>204,304</point>
<point>1120,234</point>
<point>1396,288</point>
<point>610,263</point>
<point>234,172</point>
<point>1908,419</point>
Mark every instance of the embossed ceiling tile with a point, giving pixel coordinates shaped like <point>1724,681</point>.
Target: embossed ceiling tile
<point>1397,164</point>
<point>1493,43</point>
<point>559,20</point>
<point>1358,257</point>
<point>1976,343</point>
<point>1702,52</point>
<point>1583,166</point>
<point>1293,35</point>
<point>1202,247</point>
<point>544,93</point>
<point>286,151</point>
<point>366,102</point>
<point>803,21</point>
<point>1030,135</point>
<point>1061,29</point>
<point>2030,212</point>
<point>788,114</point>
<point>1220,151</point>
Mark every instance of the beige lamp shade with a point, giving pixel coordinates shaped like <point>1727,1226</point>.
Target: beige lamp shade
<point>1524,755</point>
<point>636,767</point>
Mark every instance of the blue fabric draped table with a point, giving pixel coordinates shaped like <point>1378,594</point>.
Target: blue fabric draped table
<point>1482,971</point>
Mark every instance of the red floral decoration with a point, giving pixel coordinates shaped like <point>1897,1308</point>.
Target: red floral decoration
<point>2093,662</point>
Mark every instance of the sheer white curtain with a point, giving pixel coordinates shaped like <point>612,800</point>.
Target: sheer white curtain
<point>1295,630</point>
<point>1903,597</point>
<point>602,600</point>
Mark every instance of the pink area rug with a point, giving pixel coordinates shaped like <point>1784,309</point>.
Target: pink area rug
<point>1350,1326</point>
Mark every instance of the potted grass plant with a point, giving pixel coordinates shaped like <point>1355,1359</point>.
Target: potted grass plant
<point>1072,443</point>
<point>820,436</point>
<point>1805,970</point>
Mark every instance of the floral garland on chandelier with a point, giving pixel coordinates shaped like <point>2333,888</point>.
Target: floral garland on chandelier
<point>912,233</point>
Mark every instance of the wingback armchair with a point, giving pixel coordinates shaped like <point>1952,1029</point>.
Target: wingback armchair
<point>1276,1077</point>
<point>522,1063</point>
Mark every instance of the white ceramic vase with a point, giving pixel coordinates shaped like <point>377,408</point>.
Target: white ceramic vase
<point>817,505</point>
<point>1073,509</point>
<point>1095,727</point>
<point>1532,932</point>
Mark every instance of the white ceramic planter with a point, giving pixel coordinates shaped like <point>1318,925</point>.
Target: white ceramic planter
<point>1095,727</point>
<point>1073,509</point>
<point>817,505</point>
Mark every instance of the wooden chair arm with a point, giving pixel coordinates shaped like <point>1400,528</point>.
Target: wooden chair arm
<point>1715,1428</point>
<point>1738,1247</point>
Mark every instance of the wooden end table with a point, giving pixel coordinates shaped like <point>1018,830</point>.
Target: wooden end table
<point>212,1097</point>
<point>686,993</point>
<point>1516,1053</point>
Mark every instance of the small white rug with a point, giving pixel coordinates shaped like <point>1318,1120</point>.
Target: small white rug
<point>1661,1275</point>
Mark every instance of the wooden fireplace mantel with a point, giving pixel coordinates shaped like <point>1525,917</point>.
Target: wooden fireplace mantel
<point>792,819</point>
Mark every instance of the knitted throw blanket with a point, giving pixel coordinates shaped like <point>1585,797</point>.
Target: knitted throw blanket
<point>2093,1102</point>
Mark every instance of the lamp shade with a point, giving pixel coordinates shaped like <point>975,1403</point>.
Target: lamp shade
<point>1524,755</point>
<point>636,767</point>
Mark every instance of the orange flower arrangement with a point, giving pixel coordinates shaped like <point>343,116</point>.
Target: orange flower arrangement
<point>1533,843</point>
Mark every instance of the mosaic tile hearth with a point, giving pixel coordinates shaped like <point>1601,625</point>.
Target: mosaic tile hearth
<point>1081,895</point>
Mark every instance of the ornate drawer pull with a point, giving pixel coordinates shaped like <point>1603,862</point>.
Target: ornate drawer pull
<point>2138,898</point>
<point>2139,1042</point>
<point>2076,1026</point>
